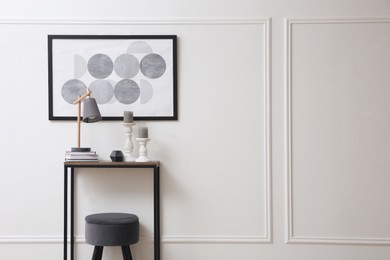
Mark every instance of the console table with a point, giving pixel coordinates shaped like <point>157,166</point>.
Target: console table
<point>155,165</point>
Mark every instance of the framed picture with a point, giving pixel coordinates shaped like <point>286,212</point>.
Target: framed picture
<point>123,72</point>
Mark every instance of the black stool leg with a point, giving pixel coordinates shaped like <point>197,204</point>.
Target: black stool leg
<point>126,253</point>
<point>97,253</point>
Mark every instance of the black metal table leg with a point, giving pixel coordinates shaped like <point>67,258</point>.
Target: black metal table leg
<point>71,213</point>
<point>157,212</point>
<point>65,212</point>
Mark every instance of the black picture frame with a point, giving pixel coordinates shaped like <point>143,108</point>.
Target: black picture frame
<point>77,62</point>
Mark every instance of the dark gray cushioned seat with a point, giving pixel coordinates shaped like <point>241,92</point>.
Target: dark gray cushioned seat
<point>111,229</point>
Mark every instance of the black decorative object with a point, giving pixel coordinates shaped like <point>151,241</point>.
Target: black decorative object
<point>116,156</point>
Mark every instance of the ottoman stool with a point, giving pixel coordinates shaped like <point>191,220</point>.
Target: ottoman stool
<point>111,229</point>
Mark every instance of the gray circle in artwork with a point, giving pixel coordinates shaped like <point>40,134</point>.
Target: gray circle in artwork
<point>100,66</point>
<point>80,66</point>
<point>102,91</point>
<point>126,66</point>
<point>139,47</point>
<point>127,91</point>
<point>153,66</point>
<point>146,91</point>
<point>71,90</point>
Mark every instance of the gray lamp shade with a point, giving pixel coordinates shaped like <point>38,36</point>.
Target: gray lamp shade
<point>91,111</point>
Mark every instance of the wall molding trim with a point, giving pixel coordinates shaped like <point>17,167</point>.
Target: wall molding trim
<point>135,21</point>
<point>44,240</point>
<point>31,240</point>
<point>291,238</point>
<point>267,133</point>
<point>265,86</point>
<point>337,20</point>
<point>340,241</point>
<point>51,240</point>
<point>214,240</point>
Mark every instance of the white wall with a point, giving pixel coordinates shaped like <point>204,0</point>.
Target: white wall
<point>329,155</point>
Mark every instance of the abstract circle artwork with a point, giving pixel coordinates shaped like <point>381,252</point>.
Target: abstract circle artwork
<point>126,66</point>
<point>123,73</point>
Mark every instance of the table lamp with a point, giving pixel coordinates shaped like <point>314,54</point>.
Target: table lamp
<point>91,114</point>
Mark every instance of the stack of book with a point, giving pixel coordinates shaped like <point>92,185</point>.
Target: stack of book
<point>81,156</point>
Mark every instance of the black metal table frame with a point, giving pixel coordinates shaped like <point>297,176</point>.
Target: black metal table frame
<point>156,199</point>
